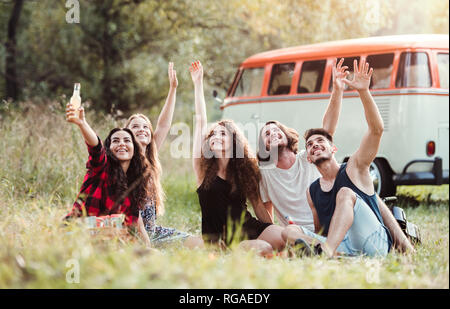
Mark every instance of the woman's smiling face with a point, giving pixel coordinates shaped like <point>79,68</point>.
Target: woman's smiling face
<point>122,146</point>
<point>141,130</point>
<point>220,140</point>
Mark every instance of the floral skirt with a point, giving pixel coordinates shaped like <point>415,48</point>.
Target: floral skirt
<point>162,235</point>
<point>159,235</point>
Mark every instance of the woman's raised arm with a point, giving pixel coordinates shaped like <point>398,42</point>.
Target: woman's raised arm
<point>196,70</point>
<point>88,134</point>
<point>166,115</point>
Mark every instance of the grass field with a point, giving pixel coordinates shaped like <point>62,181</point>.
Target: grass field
<point>42,166</point>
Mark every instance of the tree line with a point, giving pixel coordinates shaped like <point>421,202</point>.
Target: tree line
<point>120,49</point>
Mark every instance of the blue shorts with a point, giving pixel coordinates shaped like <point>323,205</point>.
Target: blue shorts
<point>366,236</point>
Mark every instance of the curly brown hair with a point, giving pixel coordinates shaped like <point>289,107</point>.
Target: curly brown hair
<point>133,183</point>
<point>242,169</point>
<point>156,192</point>
<point>291,135</point>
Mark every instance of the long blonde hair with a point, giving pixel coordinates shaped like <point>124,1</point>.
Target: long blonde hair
<point>151,153</point>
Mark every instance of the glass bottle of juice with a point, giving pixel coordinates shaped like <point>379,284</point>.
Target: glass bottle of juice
<point>75,100</point>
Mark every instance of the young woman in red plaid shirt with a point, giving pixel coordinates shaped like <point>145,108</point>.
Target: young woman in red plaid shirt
<point>118,173</point>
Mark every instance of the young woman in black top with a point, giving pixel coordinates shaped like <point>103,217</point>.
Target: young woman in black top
<point>227,175</point>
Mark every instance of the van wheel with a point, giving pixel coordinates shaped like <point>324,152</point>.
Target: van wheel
<point>382,178</point>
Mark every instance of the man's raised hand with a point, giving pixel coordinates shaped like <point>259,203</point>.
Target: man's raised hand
<point>339,74</point>
<point>361,76</point>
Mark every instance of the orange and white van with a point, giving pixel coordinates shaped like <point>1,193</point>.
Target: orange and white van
<point>410,85</point>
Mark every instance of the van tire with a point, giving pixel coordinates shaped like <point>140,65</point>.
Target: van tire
<point>382,175</point>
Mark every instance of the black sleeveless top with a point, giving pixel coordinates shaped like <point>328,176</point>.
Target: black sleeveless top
<point>325,202</point>
<point>221,209</point>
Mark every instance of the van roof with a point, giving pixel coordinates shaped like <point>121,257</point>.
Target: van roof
<point>352,46</point>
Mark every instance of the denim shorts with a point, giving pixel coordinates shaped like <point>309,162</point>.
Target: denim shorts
<point>366,236</point>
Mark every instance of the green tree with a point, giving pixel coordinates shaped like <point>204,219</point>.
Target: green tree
<point>120,49</point>
<point>12,87</point>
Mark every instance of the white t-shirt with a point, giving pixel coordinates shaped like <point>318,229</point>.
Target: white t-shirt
<point>286,189</point>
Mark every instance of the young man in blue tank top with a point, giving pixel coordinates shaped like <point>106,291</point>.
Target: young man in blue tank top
<point>350,216</point>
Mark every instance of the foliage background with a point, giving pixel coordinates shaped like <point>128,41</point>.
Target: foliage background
<point>120,49</point>
<point>119,52</point>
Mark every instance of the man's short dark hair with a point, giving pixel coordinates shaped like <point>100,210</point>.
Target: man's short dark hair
<point>318,131</point>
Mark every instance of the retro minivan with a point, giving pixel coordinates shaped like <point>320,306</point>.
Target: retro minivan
<point>410,85</point>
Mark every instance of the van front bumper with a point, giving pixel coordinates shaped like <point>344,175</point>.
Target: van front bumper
<point>437,176</point>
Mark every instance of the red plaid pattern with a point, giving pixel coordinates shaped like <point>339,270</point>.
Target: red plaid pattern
<point>95,196</point>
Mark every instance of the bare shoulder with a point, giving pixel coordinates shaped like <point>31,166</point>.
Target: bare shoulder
<point>199,182</point>
<point>359,176</point>
<point>198,171</point>
<point>308,198</point>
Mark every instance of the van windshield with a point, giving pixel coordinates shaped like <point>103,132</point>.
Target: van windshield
<point>413,70</point>
<point>250,83</point>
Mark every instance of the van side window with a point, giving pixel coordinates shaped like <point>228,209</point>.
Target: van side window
<point>281,78</point>
<point>413,70</point>
<point>347,62</point>
<point>443,69</point>
<point>311,76</point>
<point>382,69</point>
<point>250,83</point>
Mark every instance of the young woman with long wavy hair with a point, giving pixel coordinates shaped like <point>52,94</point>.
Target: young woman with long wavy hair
<point>151,141</point>
<point>227,175</point>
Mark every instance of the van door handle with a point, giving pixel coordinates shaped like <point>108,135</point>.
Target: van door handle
<point>255,116</point>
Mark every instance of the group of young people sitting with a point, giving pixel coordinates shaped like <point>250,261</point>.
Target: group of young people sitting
<point>322,207</point>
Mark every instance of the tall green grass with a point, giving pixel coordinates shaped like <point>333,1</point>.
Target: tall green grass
<point>42,161</point>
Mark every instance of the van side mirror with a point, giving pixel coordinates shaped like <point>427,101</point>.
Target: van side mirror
<point>215,95</point>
